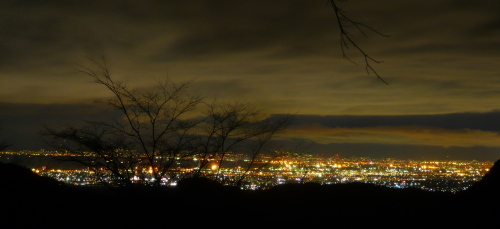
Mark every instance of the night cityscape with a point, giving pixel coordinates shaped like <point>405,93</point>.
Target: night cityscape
<point>249,114</point>
<point>443,176</point>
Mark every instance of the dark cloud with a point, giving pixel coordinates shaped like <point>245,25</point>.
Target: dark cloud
<point>199,29</point>
<point>487,121</point>
<point>219,89</point>
<point>487,29</point>
<point>21,124</point>
<point>410,152</point>
<point>231,28</point>
<point>440,59</point>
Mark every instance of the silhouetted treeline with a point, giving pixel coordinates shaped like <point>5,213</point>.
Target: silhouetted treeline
<point>31,201</point>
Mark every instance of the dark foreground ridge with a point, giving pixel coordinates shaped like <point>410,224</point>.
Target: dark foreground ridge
<point>31,201</point>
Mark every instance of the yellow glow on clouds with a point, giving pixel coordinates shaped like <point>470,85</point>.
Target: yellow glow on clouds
<point>413,135</point>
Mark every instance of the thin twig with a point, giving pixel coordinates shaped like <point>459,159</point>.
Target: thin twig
<point>346,39</point>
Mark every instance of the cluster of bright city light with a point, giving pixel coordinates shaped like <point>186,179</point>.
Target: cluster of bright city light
<point>269,171</point>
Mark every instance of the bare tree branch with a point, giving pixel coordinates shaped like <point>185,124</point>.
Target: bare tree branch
<point>158,129</point>
<point>347,40</point>
<point>151,131</point>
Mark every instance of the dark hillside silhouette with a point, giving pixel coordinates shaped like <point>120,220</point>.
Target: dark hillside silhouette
<point>33,201</point>
<point>480,203</point>
<point>16,177</point>
<point>489,185</point>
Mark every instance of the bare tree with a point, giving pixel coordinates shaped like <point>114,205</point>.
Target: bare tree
<point>159,128</point>
<point>99,149</point>
<point>346,26</point>
<point>258,148</point>
<point>236,128</point>
<point>153,131</point>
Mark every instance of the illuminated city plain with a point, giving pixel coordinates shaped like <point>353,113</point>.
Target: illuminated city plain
<point>445,176</point>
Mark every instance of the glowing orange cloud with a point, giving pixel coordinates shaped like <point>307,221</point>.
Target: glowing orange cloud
<point>414,135</point>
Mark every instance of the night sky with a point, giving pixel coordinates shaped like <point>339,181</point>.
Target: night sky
<point>441,60</point>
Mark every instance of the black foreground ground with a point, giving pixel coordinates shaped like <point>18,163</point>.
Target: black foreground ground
<point>30,201</point>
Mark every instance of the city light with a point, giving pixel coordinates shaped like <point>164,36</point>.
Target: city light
<point>449,176</point>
